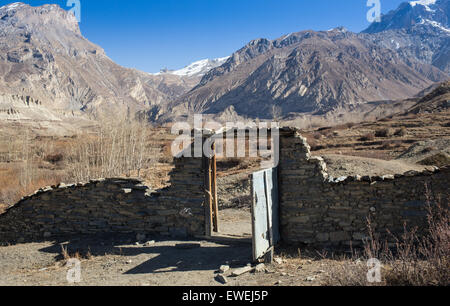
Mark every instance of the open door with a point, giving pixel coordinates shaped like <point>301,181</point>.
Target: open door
<point>265,213</point>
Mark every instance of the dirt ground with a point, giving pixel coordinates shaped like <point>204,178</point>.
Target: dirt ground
<point>110,263</point>
<point>341,165</point>
<point>122,261</point>
<point>235,222</point>
<point>116,263</point>
<point>362,139</point>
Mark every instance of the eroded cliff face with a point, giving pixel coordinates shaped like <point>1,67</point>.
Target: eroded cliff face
<point>43,56</point>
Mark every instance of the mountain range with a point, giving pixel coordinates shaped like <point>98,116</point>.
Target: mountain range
<point>49,71</point>
<point>318,72</point>
<point>196,69</point>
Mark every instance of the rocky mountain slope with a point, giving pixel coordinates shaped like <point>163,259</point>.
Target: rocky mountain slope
<point>426,13</point>
<point>49,71</point>
<point>307,72</point>
<point>437,100</point>
<point>419,30</point>
<point>319,72</point>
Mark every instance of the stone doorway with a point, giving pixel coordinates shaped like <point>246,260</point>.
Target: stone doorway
<point>228,198</point>
<point>228,182</point>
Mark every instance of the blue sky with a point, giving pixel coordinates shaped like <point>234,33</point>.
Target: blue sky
<point>153,34</point>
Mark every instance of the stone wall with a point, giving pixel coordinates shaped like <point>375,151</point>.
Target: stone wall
<point>318,209</point>
<point>315,208</point>
<point>111,206</point>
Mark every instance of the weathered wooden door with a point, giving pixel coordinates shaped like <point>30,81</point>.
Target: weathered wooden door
<point>265,213</point>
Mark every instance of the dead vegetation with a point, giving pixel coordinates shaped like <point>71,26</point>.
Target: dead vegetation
<point>439,160</point>
<point>111,149</point>
<point>416,259</point>
<point>384,139</point>
<point>65,255</point>
<point>116,149</point>
<point>368,137</point>
<point>384,132</point>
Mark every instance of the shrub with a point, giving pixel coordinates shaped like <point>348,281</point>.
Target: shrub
<point>54,158</point>
<point>228,163</point>
<point>423,260</point>
<point>439,160</point>
<point>317,136</point>
<point>415,259</point>
<point>383,133</point>
<point>119,148</point>
<point>401,132</point>
<point>429,150</point>
<point>368,137</point>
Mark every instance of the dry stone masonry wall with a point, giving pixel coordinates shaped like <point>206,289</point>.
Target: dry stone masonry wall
<point>111,206</point>
<point>318,209</point>
<point>315,208</point>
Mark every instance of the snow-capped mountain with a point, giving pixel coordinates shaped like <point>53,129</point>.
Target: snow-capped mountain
<point>416,30</point>
<point>45,62</point>
<point>197,69</point>
<point>413,14</point>
<point>319,72</point>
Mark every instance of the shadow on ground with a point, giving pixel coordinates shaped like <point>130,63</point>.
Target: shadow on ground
<point>166,255</point>
<point>182,260</point>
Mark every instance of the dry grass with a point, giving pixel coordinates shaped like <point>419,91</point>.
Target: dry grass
<point>417,259</point>
<point>3,208</point>
<point>14,184</point>
<point>119,148</point>
<point>360,140</point>
<point>65,255</point>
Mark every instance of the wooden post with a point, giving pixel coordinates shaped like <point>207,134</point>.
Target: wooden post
<point>214,190</point>
<point>208,196</point>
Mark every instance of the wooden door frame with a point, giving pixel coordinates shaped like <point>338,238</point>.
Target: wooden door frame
<point>211,199</point>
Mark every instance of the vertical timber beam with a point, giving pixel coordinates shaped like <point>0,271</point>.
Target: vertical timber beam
<point>208,196</point>
<point>214,191</point>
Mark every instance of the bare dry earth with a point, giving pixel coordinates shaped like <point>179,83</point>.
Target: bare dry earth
<point>118,263</point>
<point>115,261</point>
<point>163,263</point>
<point>351,139</point>
<point>121,261</point>
<point>341,165</point>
